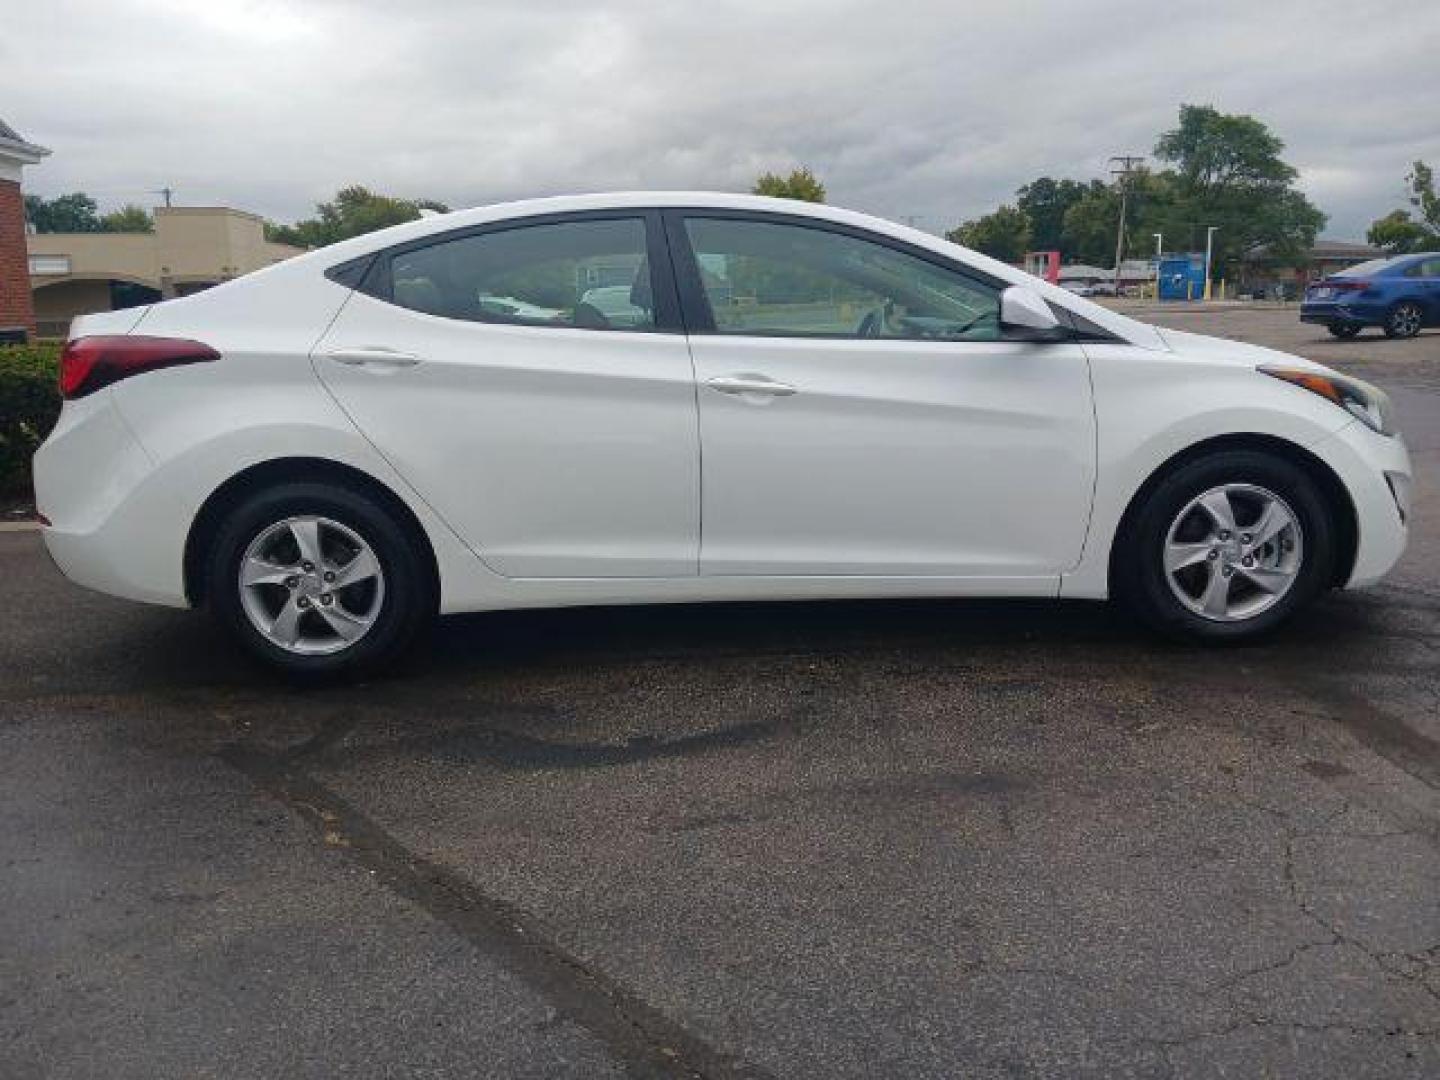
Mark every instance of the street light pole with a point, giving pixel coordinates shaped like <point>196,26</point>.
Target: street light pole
<point>1159,251</point>
<point>1209,246</point>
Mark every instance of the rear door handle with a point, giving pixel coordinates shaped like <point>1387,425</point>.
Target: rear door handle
<point>750,384</point>
<point>374,356</point>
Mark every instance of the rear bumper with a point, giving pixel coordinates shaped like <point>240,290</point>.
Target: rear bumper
<point>1329,311</point>
<point>112,526</point>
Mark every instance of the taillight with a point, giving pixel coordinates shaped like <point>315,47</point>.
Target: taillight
<point>89,363</point>
<point>1346,285</point>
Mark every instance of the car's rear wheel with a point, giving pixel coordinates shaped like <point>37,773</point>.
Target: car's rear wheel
<point>1404,320</point>
<point>317,579</point>
<point>1226,547</point>
<point>1344,330</point>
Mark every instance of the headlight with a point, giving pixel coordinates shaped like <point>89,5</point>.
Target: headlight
<point>1366,403</point>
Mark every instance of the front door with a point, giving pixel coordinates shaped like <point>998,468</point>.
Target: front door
<point>862,414</point>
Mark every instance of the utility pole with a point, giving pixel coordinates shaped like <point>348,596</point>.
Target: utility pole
<point>167,192</point>
<point>1126,164</point>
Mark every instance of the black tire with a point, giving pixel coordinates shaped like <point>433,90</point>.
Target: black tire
<point>1344,330</point>
<point>405,608</point>
<point>1404,320</point>
<point>1138,571</point>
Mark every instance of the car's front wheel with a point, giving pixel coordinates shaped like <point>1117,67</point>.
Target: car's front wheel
<point>1226,547</point>
<point>317,579</point>
<point>1404,320</point>
<point>1344,330</point>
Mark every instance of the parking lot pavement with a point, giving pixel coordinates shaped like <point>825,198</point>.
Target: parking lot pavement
<point>890,839</point>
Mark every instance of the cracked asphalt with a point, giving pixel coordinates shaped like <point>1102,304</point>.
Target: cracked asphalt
<point>913,839</point>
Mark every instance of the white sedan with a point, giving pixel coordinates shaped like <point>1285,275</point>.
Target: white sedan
<point>801,403</point>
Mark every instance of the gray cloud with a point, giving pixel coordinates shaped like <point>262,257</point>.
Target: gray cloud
<point>933,109</point>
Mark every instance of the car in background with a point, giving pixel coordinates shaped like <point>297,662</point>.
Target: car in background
<point>1079,288</point>
<point>810,404</point>
<point>508,308</point>
<point>615,303</point>
<point>1401,295</point>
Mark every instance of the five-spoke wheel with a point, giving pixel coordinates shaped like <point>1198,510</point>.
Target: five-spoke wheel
<point>317,578</point>
<point>311,585</point>
<point>1233,551</point>
<point>1226,545</point>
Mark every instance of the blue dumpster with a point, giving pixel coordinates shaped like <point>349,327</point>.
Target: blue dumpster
<point>1182,277</point>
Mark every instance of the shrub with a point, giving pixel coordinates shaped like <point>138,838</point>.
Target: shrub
<point>29,404</point>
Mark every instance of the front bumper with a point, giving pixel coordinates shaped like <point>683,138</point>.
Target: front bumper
<point>1376,472</point>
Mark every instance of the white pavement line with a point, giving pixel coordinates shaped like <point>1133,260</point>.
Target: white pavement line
<point>19,526</point>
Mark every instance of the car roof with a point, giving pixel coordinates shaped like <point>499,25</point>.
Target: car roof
<point>1131,330</point>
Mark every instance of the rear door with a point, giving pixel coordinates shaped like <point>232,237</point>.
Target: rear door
<point>556,434</point>
<point>1427,271</point>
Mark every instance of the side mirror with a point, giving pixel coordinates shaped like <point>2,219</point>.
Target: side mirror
<point>1025,312</point>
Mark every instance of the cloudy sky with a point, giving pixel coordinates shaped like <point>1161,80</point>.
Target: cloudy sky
<point>931,109</point>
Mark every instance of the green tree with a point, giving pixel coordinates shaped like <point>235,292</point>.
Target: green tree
<point>1212,150</point>
<point>128,219</point>
<point>1217,169</point>
<point>1423,197</point>
<point>801,184</point>
<point>64,213</point>
<point>1045,202</point>
<point>1002,234</point>
<point>1088,228</point>
<point>1228,173</point>
<point>1398,232</point>
<point>354,211</point>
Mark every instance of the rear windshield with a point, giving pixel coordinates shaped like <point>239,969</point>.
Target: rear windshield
<point>1374,266</point>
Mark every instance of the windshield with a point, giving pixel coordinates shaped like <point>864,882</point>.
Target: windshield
<point>1374,266</point>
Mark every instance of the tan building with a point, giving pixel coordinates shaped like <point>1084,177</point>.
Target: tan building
<point>192,248</point>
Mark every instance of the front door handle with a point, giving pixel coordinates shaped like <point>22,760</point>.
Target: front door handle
<point>374,356</point>
<point>750,384</point>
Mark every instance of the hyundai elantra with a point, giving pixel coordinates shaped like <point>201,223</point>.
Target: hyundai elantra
<point>647,398</point>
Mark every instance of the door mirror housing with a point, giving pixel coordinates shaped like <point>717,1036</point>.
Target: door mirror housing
<point>1025,316</point>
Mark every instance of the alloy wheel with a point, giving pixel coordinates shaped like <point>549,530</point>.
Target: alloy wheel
<point>1405,320</point>
<point>311,585</point>
<point>1233,552</point>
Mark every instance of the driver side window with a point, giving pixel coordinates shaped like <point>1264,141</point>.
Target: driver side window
<point>773,279</point>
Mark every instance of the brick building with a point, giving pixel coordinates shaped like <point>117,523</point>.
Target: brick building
<point>17,312</point>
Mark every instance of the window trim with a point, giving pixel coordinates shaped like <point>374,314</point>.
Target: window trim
<point>377,280</point>
<point>695,304</point>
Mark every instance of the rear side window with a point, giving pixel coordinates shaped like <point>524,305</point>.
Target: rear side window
<point>1425,268</point>
<point>774,279</point>
<point>591,275</point>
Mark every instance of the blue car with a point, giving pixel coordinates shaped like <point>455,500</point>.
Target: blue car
<point>1400,295</point>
